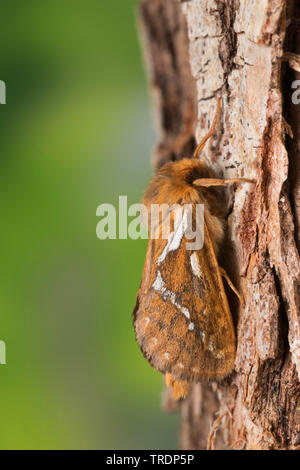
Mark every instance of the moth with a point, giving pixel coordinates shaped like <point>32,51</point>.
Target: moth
<point>181,318</point>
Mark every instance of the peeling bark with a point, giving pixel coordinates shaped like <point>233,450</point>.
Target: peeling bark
<point>197,50</point>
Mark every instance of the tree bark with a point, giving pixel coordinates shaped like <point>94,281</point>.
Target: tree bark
<point>195,51</point>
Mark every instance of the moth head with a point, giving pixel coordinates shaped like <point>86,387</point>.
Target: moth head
<point>186,171</point>
<point>174,182</point>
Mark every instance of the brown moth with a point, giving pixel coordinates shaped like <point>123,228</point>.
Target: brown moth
<point>182,319</point>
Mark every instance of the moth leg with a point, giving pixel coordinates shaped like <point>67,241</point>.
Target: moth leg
<point>293,60</point>
<point>207,182</point>
<point>287,128</point>
<point>180,387</point>
<point>231,285</point>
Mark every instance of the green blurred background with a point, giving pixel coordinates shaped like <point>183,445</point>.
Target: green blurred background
<point>76,132</point>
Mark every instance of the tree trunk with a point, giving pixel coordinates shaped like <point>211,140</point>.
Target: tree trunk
<point>195,51</point>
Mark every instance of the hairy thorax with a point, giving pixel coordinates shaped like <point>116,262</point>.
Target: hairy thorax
<point>173,184</point>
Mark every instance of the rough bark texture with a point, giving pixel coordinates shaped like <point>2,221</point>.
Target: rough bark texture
<point>197,50</point>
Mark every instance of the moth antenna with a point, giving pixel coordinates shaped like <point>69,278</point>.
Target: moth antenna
<point>208,182</point>
<point>210,132</point>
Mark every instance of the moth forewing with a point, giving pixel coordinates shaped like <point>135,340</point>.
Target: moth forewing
<point>224,328</point>
<point>182,318</point>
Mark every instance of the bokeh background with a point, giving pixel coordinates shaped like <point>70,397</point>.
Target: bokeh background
<point>76,132</point>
